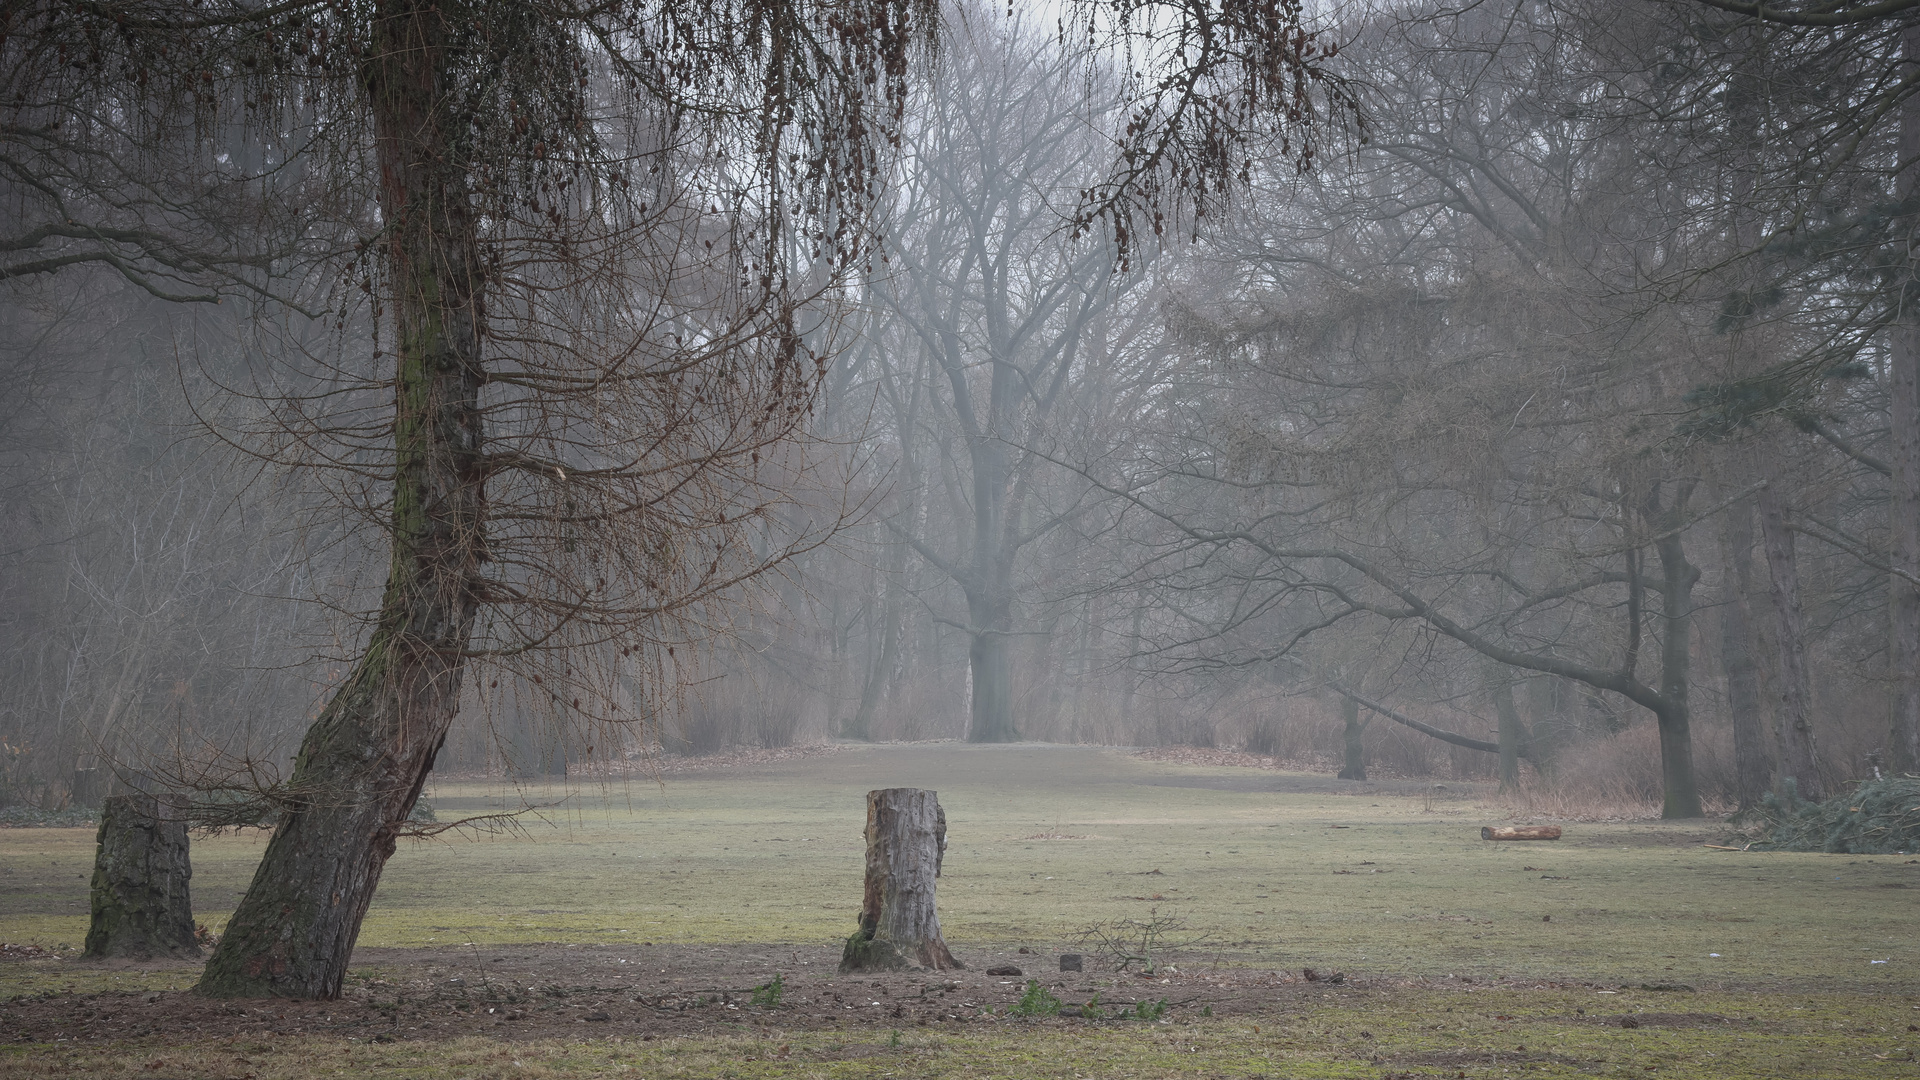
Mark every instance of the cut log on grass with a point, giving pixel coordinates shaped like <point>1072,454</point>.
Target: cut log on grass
<point>906,837</point>
<point>141,905</point>
<point>1520,832</point>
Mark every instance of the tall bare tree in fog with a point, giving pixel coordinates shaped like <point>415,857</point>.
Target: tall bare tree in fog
<point>988,309</point>
<point>1596,346</point>
<point>585,236</point>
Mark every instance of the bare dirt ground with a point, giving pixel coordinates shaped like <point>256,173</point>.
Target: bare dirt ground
<point>653,991</point>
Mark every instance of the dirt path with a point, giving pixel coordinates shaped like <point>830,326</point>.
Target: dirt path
<point>654,991</point>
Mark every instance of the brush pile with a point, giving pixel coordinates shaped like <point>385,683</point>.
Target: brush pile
<point>1880,817</point>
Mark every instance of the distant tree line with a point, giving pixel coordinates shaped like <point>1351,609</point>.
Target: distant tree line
<point>1574,403</point>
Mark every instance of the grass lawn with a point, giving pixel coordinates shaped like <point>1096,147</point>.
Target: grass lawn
<point>1802,963</point>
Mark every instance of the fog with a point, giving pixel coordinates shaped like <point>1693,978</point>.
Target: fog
<point>1546,417</point>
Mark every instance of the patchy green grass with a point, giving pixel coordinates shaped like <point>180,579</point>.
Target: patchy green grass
<point>1366,882</point>
<point>1282,872</point>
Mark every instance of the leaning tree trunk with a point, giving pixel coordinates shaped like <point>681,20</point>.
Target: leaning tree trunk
<point>906,837</point>
<point>363,762</point>
<point>142,907</point>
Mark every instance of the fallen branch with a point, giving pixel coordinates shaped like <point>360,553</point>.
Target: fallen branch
<point>1425,729</point>
<point>1520,832</point>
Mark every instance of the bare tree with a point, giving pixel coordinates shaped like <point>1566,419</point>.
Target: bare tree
<point>989,320</point>
<point>587,238</point>
<point>1426,408</point>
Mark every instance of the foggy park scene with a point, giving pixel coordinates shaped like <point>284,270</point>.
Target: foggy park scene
<point>948,539</point>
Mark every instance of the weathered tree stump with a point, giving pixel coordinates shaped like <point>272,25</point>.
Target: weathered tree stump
<point>141,906</point>
<point>906,838</point>
<point>89,786</point>
<point>1520,832</point>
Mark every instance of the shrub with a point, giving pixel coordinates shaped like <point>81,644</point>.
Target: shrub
<point>1148,1011</point>
<point>17,817</point>
<point>1036,1002</point>
<point>767,994</point>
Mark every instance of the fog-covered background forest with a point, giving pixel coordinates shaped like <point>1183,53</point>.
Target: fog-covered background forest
<point>1555,423</point>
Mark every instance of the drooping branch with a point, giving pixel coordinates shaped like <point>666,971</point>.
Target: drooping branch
<point>1425,729</point>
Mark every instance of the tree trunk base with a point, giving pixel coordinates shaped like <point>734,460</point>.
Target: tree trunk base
<point>864,953</point>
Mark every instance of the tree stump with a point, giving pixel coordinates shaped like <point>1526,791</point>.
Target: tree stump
<point>89,786</point>
<point>906,838</point>
<point>141,906</point>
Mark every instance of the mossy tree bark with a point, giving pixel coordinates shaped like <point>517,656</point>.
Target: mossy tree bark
<point>906,839</point>
<point>142,903</point>
<point>363,762</point>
